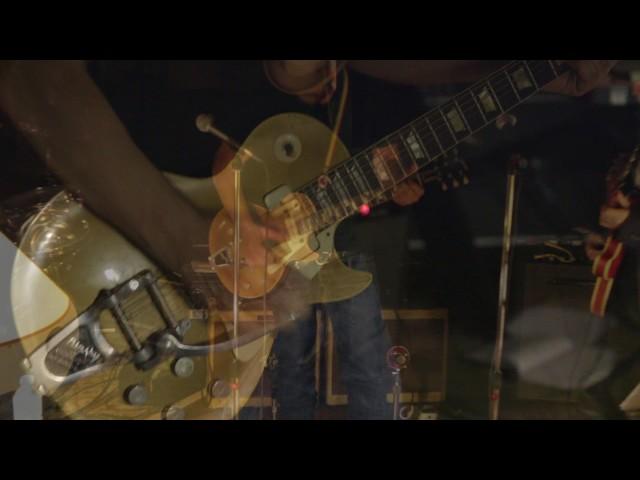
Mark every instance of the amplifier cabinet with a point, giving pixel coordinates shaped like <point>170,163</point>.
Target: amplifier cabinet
<point>424,333</point>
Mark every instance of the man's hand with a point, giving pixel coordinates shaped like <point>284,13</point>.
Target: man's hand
<point>407,193</point>
<point>255,238</point>
<point>585,75</point>
<point>612,216</point>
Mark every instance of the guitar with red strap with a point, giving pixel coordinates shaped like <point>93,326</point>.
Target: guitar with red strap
<point>621,178</point>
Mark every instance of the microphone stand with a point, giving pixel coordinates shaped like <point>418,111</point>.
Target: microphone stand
<point>237,177</point>
<point>495,375</point>
<point>204,123</point>
<point>397,360</point>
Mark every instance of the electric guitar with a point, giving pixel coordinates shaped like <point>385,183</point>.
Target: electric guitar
<point>621,178</point>
<point>106,335</point>
<point>311,201</point>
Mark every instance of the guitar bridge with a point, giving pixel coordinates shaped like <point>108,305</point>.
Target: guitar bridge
<point>221,258</point>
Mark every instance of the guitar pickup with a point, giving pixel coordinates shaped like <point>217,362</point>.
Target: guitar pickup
<point>273,199</point>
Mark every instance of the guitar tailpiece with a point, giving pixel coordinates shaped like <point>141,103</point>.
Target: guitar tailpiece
<point>80,349</point>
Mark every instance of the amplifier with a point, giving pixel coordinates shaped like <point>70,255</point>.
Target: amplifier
<point>550,306</point>
<point>424,333</point>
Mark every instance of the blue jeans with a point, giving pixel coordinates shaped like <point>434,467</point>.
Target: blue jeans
<point>362,343</point>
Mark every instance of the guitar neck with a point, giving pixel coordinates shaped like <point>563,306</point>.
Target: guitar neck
<point>368,177</point>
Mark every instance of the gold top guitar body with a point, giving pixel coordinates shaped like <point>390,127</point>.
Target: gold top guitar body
<point>292,150</point>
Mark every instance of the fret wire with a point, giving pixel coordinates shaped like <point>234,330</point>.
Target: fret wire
<point>308,192</point>
<point>550,62</point>
<point>473,97</point>
<point>339,189</point>
<point>464,119</point>
<point>444,118</point>
<point>408,149</point>
<point>327,216</point>
<point>412,156</point>
<point>332,203</point>
<point>426,120</point>
<point>513,86</point>
<point>542,68</point>
<point>362,194</point>
<point>393,150</point>
<point>392,164</point>
<point>351,202</point>
<point>364,177</point>
<point>495,95</point>
<point>372,174</point>
<point>344,182</point>
<point>336,198</point>
<point>533,78</point>
<point>354,185</point>
<point>424,149</point>
<point>384,165</point>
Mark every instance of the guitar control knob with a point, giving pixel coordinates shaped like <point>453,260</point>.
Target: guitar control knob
<point>136,395</point>
<point>183,367</point>
<point>219,389</point>
<point>173,412</point>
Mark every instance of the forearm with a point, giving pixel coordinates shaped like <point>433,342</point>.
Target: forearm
<point>69,122</point>
<point>424,73</point>
<point>224,182</point>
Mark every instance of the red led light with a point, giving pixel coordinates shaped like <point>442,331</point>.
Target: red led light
<point>364,210</point>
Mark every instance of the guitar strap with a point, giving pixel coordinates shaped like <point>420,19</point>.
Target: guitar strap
<point>342,117</point>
